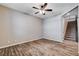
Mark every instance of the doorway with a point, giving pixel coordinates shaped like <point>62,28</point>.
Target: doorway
<point>71,31</point>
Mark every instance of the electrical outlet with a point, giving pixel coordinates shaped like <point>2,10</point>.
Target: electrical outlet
<point>15,40</point>
<point>8,41</point>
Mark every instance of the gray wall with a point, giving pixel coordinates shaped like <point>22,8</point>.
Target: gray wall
<point>53,28</point>
<point>16,27</point>
<point>78,23</point>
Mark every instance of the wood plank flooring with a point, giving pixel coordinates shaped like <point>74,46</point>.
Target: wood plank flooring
<point>42,47</point>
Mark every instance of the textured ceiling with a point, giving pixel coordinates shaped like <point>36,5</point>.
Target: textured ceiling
<point>58,8</point>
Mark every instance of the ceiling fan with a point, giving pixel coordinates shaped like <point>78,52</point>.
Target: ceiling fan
<point>42,9</point>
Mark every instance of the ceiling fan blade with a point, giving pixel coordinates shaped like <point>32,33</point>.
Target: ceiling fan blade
<point>45,4</point>
<point>35,7</point>
<point>36,12</point>
<point>48,9</point>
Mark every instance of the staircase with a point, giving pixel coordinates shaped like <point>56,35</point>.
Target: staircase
<point>69,32</point>
<point>68,37</point>
<point>66,31</point>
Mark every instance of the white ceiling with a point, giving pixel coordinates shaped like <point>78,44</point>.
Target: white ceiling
<point>58,8</point>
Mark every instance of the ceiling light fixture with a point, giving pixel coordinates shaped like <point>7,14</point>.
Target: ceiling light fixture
<point>42,9</point>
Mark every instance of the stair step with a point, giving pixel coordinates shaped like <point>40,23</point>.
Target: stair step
<point>67,34</point>
<point>67,38</point>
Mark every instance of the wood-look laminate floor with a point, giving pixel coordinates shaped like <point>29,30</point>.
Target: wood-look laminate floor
<point>42,47</point>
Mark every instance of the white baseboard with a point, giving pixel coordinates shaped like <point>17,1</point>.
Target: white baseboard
<point>51,38</point>
<point>17,43</point>
<point>26,41</point>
